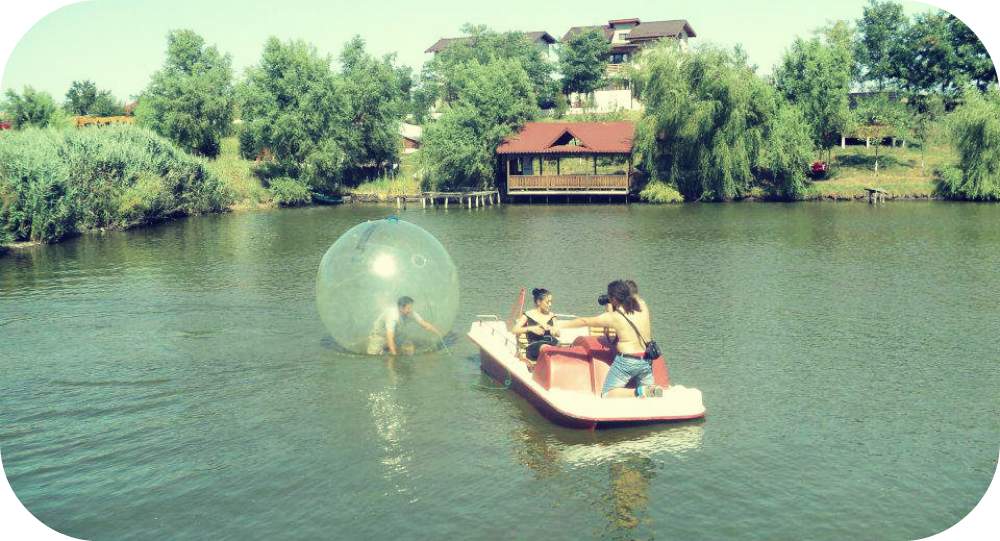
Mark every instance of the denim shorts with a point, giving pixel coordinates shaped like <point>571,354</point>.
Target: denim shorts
<point>625,369</point>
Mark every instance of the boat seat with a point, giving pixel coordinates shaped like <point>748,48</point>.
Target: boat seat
<point>584,366</point>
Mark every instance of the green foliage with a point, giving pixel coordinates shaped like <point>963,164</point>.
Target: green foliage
<point>975,128</point>
<point>32,108</point>
<point>815,75</point>
<point>375,94</point>
<point>323,128</point>
<point>289,192</point>
<point>484,46</point>
<point>879,117</point>
<point>81,97</point>
<point>105,104</point>
<point>190,100</point>
<point>582,61</point>
<point>491,101</point>
<point>54,183</point>
<point>941,54</point>
<point>714,129</point>
<point>660,192</point>
<point>881,30</point>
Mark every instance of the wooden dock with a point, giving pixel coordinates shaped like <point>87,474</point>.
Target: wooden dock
<point>876,195</point>
<point>470,200</point>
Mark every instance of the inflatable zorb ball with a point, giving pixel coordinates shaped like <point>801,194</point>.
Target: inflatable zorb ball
<point>369,268</point>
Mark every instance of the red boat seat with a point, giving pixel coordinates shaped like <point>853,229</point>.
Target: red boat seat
<point>584,366</point>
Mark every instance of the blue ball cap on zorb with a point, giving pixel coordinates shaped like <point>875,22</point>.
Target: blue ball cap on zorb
<point>369,268</point>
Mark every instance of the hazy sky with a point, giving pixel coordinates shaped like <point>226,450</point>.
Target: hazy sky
<point>119,43</point>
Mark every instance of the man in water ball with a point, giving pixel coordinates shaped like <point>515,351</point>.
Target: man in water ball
<point>390,321</point>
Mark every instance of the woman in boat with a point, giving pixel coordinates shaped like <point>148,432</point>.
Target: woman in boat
<point>633,329</point>
<point>539,326</point>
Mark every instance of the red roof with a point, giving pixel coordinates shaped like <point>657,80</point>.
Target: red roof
<point>571,138</point>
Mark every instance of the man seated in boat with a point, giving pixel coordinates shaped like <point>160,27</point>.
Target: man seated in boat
<point>632,327</point>
<point>393,322</point>
<point>538,325</point>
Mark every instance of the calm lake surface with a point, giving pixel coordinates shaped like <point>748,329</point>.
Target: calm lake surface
<point>176,382</point>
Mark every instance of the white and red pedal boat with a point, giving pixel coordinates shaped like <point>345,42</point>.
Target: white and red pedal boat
<point>566,383</point>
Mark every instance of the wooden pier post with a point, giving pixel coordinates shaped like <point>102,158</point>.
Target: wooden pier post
<point>446,202</point>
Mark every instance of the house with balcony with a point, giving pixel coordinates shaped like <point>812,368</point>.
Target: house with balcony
<point>627,37</point>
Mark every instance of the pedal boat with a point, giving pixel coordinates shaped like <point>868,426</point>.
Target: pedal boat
<point>565,385</point>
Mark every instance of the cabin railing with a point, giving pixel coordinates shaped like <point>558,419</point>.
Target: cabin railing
<point>567,182</point>
<point>612,70</point>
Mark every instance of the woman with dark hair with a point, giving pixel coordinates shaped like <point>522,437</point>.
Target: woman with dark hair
<point>632,327</point>
<point>538,325</point>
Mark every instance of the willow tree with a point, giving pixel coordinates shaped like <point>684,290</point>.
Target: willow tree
<point>714,129</point>
<point>975,129</point>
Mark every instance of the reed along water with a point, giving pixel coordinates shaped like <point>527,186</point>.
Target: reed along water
<point>177,383</point>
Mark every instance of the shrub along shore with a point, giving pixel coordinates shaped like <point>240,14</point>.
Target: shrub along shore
<point>55,183</point>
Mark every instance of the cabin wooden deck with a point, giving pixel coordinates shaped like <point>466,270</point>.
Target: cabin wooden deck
<point>567,185</point>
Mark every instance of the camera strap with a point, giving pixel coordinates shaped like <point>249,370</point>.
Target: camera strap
<point>637,333</point>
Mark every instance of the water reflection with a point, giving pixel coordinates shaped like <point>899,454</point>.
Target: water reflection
<point>631,458</point>
<point>391,425</point>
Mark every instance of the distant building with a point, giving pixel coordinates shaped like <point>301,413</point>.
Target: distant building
<point>412,137</point>
<point>542,39</point>
<point>627,37</point>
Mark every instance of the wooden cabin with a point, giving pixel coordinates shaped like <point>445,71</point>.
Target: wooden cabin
<point>568,158</point>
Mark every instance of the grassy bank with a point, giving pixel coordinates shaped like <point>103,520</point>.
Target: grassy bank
<point>237,176</point>
<point>405,182</point>
<point>899,172</point>
<point>248,192</point>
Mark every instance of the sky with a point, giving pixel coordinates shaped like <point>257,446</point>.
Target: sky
<point>119,43</point>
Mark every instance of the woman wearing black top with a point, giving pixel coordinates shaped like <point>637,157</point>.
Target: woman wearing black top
<point>538,326</point>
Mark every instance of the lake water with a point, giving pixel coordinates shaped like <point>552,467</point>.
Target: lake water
<point>176,382</point>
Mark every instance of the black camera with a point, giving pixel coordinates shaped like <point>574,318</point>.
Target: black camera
<point>603,300</point>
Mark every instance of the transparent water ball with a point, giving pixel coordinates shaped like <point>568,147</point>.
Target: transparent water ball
<point>369,268</point>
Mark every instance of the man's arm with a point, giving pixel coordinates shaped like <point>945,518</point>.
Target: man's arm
<point>390,339</point>
<point>430,328</point>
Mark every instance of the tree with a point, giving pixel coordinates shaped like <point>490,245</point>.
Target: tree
<point>928,112</point>
<point>31,108</point>
<point>375,98</point>
<point>975,128</point>
<point>941,54</point>
<point>582,61</point>
<point>290,106</point>
<point>484,45</point>
<point>816,76</point>
<point>80,97</point>
<point>879,117</point>
<point>105,104</point>
<point>714,129</point>
<point>190,100</point>
<point>880,34</point>
<point>321,127</point>
<point>491,101</point>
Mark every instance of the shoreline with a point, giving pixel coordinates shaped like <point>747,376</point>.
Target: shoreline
<point>388,199</point>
